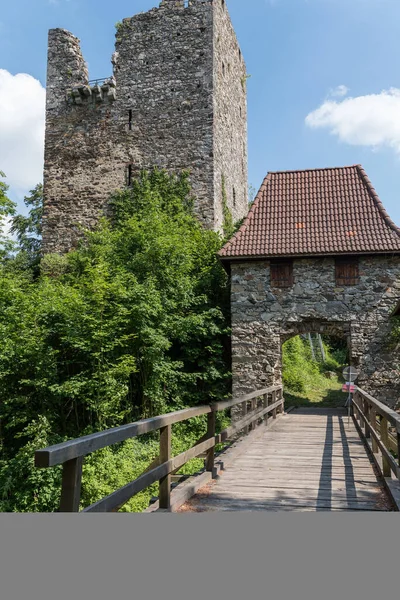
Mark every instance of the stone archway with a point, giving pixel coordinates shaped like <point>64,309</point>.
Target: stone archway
<point>264,317</point>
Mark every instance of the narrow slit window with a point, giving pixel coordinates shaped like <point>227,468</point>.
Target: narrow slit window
<point>129,176</point>
<point>130,121</point>
<point>282,274</point>
<point>347,271</point>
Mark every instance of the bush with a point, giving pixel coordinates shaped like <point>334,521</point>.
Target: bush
<point>132,323</point>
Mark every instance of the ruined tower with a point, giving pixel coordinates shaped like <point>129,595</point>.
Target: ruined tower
<point>176,100</point>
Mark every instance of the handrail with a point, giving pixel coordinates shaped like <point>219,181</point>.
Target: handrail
<point>374,417</point>
<point>390,414</point>
<point>71,453</point>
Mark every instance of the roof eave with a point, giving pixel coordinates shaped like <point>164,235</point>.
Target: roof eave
<point>307,255</point>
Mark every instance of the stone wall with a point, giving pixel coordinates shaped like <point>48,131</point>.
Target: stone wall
<point>264,317</point>
<point>230,118</point>
<point>175,100</point>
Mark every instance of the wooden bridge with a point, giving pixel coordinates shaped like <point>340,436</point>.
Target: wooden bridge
<point>300,460</point>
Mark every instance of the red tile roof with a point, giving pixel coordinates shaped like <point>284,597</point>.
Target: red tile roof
<point>315,212</point>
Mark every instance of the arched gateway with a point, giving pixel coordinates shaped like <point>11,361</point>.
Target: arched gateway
<point>316,253</point>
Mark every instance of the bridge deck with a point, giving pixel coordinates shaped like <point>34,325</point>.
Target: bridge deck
<point>309,460</point>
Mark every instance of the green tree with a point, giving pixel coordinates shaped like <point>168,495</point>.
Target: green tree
<point>132,323</point>
<point>28,229</point>
<point>7,210</point>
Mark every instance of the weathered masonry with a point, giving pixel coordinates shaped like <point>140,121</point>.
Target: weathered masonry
<point>176,100</point>
<point>316,253</point>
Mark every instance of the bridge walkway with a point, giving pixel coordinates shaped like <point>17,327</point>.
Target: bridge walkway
<point>309,460</point>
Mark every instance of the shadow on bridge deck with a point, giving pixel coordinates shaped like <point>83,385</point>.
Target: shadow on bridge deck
<point>311,459</point>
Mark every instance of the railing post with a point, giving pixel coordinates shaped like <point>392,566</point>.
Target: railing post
<point>372,418</point>
<point>385,441</point>
<point>281,397</point>
<point>253,406</point>
<point>273,402</point>
<point>355,400</point>
<point>211,419</point>
<point>244,413</point>
<point>265,405</point>
<point>164,494</point>
<point>71,485</point>
<point>398,447</point>
<point>368,416</point>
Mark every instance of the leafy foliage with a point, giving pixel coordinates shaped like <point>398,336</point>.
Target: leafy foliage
<point>131,324</point>
<point>28,229</point>
<point>7,210</point>
<point>306,380</point>
<point>301,372</point>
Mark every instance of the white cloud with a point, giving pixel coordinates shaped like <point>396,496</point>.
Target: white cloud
<point>22,118</point>
<point>340,91</point>
<point>372,120</point>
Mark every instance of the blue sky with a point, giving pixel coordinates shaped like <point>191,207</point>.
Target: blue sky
<point>298,53</point>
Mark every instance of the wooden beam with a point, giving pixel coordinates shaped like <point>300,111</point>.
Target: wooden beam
<point>385,442</point>
<point>164,495</point>
<point>60,453</point>
<point>372,413</point>
<point>211,419</point>
<point>386,455</point>
<point>121,496</point>
<point>71,485</point>
<point>265,405</point>
<point>243,423</point>
<point>382,409</point>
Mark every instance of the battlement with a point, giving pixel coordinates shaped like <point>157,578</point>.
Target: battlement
<point>175,100</point>
<point>96,91</point>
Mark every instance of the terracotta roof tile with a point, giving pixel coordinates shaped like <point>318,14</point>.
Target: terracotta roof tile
<point>315,212</point>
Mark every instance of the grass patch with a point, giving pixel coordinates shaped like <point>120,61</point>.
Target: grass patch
<point>329,395</point>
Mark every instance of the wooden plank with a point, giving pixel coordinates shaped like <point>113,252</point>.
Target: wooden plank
<point>288,494</point>
<point>164,494</point>
<point>267,505</point>
<point>71,485</point>
<point>274,404</point>
<point>382,409</point>
<point>211,419</point>
<point>265,405</point>
<point>60,453</point>
<point>285,469</point>
<point>385,442</point>
<point>121,496</point>
<point>219,406</point>
<point>388,462</point>
<point>243,423</point>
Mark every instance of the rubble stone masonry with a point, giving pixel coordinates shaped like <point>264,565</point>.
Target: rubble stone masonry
<point>263,318</point>
<point>176,100</point>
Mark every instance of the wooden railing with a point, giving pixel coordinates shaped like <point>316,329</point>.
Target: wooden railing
<point>256,407</point>
<point>375,420</point>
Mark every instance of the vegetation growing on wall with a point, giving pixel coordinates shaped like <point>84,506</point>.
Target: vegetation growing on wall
<point>131,324</point>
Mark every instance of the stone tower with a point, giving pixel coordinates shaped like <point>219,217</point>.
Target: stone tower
<point>176,100</point>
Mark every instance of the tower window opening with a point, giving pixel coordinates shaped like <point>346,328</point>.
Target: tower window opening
<point>234,197</point>
<point>129,176</point>
<point>130,120</point>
